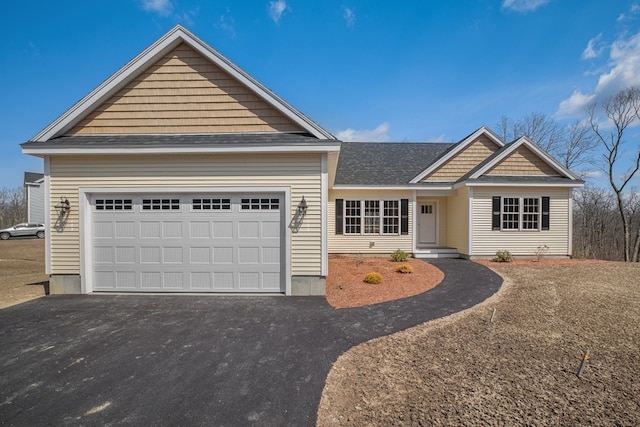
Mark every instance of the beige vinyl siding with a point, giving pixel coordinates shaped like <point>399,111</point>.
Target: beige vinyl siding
<point>524,243</point>
<point>465,160</point>
<point>523,162</point>
<point>184,92</point>
<point>300,172</point>
<point>442,217</point>
<point>458,221</point>
<point>360,244</point>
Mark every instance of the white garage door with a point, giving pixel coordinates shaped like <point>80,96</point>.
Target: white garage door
<point>187,243</point>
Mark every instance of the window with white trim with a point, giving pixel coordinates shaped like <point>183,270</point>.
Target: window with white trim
<point>113,204</point>
<point>520,213</point>
<point>160,204</point>
<point>260,204</point>
<point>371,217</point>
<point>211,204</point>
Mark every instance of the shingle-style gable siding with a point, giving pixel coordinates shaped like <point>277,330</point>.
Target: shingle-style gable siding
<point>523,162</point>
<point>184,92</point>
<point>464,161</point>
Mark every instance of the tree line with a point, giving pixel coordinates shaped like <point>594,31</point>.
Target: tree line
<point>606,221</point>
<point>13,206</point>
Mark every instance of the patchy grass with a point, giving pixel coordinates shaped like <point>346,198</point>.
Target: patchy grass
<point>22,275</point>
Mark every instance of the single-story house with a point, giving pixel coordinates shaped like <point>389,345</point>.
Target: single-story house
<point>182,173</point>
<point>34,185</point>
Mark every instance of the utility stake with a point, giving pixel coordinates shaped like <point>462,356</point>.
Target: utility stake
<point>583,364</point>
<point>493,314</point>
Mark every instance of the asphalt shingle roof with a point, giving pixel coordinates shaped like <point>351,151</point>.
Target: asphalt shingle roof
<point>385,163</point>
<point>31,177</point>
<point>164,140</point>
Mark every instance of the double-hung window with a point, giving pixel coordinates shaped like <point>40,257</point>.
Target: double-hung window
<point>371,217</point>
<point>520,213</point>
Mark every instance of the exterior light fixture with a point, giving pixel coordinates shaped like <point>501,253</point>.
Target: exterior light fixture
<point>302,207</point>
<point>63,207</point>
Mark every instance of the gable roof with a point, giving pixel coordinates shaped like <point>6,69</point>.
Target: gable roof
<point>396,164</point>
<point>384,163</point>
<point>33,178</point>
<point>509,149</point>
<point>166,43</point>
<point>464,143</point>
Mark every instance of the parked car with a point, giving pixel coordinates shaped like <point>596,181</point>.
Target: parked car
<point>24,229</point>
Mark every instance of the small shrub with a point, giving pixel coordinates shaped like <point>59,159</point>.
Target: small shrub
<point>405,269</point>
<point>373,278</point>
<point>541,251</point>
<point>399,256</point>
<point>503,256</point>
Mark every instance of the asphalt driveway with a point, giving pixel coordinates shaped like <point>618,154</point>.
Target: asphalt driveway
<point>193,360</point>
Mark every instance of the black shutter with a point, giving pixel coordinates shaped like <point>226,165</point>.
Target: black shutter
<point>545,213</point>
<point>495,217</point>
<point>339,215</point>
<point>404,216</point>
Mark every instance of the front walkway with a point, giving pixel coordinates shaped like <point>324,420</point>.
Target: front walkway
<point>192,360</point>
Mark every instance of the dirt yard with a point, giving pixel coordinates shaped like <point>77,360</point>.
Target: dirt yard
<point>519,370</point>
<point>346,288</point>
<point>22,275</point>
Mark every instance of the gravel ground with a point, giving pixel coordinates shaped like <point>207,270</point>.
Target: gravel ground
<point>518,370</point>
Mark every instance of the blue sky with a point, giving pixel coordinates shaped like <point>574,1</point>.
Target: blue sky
<point>412,70</point>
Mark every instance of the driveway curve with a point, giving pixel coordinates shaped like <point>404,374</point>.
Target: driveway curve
<point>193,360</point>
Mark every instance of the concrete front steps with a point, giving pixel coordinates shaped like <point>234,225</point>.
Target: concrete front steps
<point>440,252</point>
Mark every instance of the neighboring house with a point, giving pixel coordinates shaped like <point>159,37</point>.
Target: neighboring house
<point>185,174</point>
<point>34,185</point>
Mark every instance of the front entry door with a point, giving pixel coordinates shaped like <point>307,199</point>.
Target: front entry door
<point>427,224</point>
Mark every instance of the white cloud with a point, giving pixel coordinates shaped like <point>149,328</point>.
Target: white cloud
<point>349,16</point>
<point>226,23</point>
<point>523,6</point>
<point>277,9</point>
<point>622,71</point>
<point>590,174</point>
<point>594,48</point>
<point>378,134</point>
<point>162,7</point>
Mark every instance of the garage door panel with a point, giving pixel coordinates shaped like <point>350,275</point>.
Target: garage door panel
<point>104,255</point>
<point>125,255</point>
<point>150,255</point>
<point>103,229</point>
<point>223,255</point>
<point>223,229</point>
<point>150,230</point>
<point>125,230</point>
<point>200,255</point>
<point>188,248</point>
<point>172,255</point>
<point>248,229</point>
<point>172,230</point>
<point>200,230</point>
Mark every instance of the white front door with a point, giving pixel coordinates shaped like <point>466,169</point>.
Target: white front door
<point>427,224</point>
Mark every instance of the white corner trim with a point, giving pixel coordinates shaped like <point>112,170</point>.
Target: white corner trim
<point>470,223</point>
<point>324,216</point>
<point>47,215</point>
<point>570,220</point>
<point>458,148</point>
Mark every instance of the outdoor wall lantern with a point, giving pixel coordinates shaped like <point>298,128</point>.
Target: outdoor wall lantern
<point>302,207</point>
<point>63,207</point>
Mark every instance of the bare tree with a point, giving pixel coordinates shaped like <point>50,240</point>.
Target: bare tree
<point>571,145</point>
<point>621,111</point>
<point>13,206</point>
